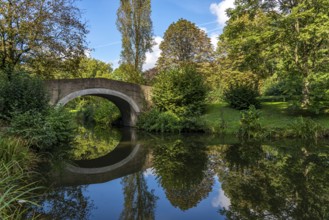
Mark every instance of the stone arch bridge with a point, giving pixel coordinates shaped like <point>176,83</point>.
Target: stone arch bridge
<point>131,99</point>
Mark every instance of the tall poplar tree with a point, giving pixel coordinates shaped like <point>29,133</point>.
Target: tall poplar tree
<point>134,23</point>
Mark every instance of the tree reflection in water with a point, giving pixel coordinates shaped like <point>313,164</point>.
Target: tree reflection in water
<point>139,203</point>
<point>95,141</point>
<point>271,182</point>
<point>181,169</point>
<point>66,203</point>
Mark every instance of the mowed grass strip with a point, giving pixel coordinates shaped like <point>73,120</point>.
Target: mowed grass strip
<point>274,115</point>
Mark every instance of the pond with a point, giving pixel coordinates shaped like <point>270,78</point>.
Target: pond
<point>192,176</point>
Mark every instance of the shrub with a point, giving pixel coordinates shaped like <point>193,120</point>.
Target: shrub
<point>48,132</point>
<point>241,90</point>
<point>249,124</point>
<point>157,121</point>
<point>180,91</point>
<point>241,97</point>
<point>319,92</point>
<point>23,93</point>
<point>305,128</point>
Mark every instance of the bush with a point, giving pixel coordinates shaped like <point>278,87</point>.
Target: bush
<point>23,93</point>
<point>241,97</point>
<point>305,128</point>
<point>180,91</point>
<point>48,132</point>
<point>319,92</point>
<point>157,121</point>
<point>249,124</point>
<point>241,90</point>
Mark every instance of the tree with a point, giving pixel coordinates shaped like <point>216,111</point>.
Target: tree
<point>93,68</point>
<point>139,201</point>
<point>303,39</point>
<point>127,73</point>
<point>134,23</point>
<point>46,31</point>
<point>183,43</point>
<point>286,37</point>
<point>181,91</point>
<point>181,167</point>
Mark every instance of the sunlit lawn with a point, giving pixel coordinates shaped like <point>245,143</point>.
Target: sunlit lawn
<point>273,115</point>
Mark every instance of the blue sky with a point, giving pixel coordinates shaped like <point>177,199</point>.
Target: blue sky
<point>105,39</point>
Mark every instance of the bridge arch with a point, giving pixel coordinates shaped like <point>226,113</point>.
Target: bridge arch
<point>130,98</point>
<point>127,106</point>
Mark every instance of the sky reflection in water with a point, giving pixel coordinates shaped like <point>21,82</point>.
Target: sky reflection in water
<point>201,177</point>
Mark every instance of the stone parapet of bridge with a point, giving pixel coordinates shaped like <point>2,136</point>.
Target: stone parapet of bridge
<point>131,99</point>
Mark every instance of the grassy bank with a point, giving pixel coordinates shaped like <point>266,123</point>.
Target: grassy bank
<point>274,115</point>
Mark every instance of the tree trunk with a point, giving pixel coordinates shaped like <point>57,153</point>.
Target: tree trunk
<point>305,93</point>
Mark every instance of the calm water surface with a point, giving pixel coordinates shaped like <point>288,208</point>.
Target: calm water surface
<point>143,176</point>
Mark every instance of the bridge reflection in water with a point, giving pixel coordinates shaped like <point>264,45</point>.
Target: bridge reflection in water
<point>127,158</point>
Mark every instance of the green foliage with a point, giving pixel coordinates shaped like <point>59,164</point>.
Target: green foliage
<point>94,142</point>
<point>249,124</point>
<point>93,68</point>
<point>319,92</point>
<point>52,131</point>
<point>90,110</point>
<point>23,93</point>
<point>127,73</point>
<point>180,166</point>
<point>40,35</point>
<point>305,128</point>
<point>181,91</point>
<point>272,86</point>
<point>17,166</point>
<point>17,152</point>
<point>16,191</point>
<point>135,25</point>
<point>157,121</point>
<point>291,42</point>
<point>274,181</point>
<point>184,43</point>
<point>241,90</point>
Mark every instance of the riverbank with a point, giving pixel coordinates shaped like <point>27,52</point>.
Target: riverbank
<point>274,116</point>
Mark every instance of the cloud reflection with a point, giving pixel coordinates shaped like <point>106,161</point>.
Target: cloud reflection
<point>221,200</point>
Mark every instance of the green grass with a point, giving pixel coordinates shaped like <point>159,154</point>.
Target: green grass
<point>274,115</point>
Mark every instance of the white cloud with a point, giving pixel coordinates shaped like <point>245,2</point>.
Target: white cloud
<point>221,200</point>
<point>220,10</point>
<point>151,58</point>
<point>214,39</point>
<point>88,53</point>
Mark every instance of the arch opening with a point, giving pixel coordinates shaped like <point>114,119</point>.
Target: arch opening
<point>128,108</point>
